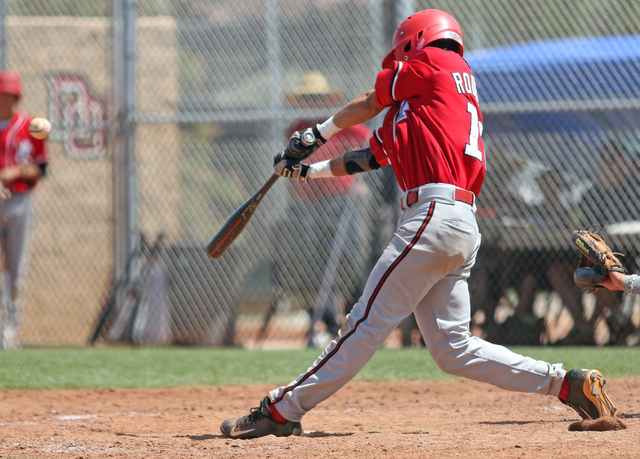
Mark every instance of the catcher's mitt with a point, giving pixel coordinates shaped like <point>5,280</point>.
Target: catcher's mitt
<point>596,260</point>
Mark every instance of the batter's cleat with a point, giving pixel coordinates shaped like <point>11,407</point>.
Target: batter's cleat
<point>258,423</point>
<point>586,394</point>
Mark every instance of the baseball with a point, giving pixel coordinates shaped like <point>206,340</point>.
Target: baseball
<point>40,128</point>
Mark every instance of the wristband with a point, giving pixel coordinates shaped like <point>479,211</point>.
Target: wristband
<point>628,283</point>
<point>327,129</point>
<point>320,170</point>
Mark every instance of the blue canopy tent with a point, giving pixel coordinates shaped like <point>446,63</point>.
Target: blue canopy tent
<point>575,84</point>
<point>560,100</point>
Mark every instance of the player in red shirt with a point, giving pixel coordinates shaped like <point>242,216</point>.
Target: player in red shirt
<point>23,161</point>
<point>431,136</point>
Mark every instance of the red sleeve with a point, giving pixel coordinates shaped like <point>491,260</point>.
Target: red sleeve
<point>403,81</point>
<point>377,149</point>
<point>40,154</point>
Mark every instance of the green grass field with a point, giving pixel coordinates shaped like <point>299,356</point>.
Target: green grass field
<point>129,367</point>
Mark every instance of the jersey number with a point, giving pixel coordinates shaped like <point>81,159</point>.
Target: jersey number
<point>475,133</point>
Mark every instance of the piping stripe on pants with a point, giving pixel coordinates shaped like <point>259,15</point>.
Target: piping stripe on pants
<point>369,304</point>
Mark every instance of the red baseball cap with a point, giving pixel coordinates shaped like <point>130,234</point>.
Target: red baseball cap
<point>10,83</point>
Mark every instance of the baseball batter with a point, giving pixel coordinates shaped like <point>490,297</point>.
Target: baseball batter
<point>432,137</point>
<point>23,162</point>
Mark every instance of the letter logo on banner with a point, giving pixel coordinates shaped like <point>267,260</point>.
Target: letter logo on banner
<point>78,117</point>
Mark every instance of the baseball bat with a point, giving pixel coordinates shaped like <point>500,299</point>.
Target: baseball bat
<point>239,219</point>
<point>236,223</point>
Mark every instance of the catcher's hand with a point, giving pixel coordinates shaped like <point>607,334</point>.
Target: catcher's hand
<point>596,260</point>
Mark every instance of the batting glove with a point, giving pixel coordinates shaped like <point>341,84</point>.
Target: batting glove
<point>303,144</point>
<point>290,168</point>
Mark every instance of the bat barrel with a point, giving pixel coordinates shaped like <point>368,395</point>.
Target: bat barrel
<point>236,223</point>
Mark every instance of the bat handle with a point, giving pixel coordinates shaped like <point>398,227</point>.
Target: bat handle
<point>268,184</point>
<point>307,137</point>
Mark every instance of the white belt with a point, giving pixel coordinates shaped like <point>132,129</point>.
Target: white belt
<point>437,192</point>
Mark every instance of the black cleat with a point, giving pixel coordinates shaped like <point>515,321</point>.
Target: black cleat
<point>587,396</point>
<point>258,423</point>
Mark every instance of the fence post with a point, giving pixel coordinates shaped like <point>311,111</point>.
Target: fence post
<point>124,155</point>
<point>404,9</point>
<point>3,36</point>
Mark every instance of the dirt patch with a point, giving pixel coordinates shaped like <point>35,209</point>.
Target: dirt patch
<point>600,424</point>
<point>364,419</point>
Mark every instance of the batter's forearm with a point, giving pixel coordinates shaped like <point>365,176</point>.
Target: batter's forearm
<point>359,110</point>
<point>355,162</point>
<point>352,162</point>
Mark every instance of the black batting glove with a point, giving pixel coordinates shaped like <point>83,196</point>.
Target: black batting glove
<point>303,144</point>
<point>290,168</point>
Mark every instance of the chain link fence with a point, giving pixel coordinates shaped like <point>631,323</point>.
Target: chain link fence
<point>166,115</point>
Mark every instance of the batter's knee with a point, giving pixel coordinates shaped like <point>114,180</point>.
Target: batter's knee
<point>448,348</point>
<point>17,287</point>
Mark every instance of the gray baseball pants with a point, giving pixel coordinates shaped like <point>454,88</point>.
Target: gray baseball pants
<point>16,226</point>
<point>423,270</point>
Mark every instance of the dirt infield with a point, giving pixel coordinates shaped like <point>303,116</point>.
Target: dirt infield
<point>401,419</point>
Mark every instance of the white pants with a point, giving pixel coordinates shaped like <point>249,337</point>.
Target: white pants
<point>423,270</point>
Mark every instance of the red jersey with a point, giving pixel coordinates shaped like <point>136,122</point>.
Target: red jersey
<point>18,147</point>
<point>432,132</point>
<point>348,139</point>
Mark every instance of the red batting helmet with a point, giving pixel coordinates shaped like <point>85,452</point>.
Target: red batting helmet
<point>10,83</point>
<point>420,29</point>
